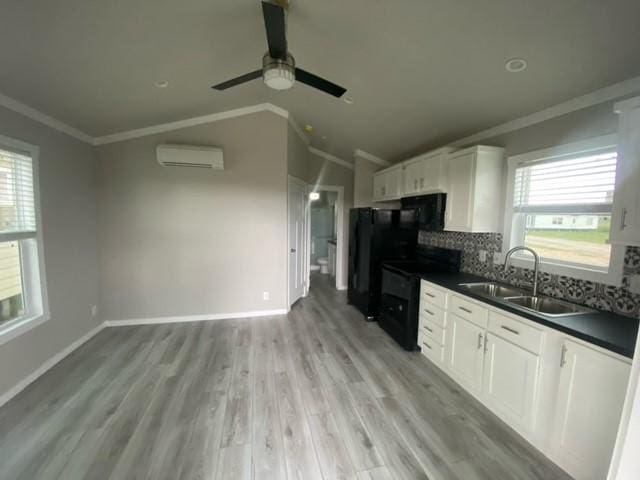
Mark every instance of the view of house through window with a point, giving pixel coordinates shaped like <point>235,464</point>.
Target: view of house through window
<point>17,232</point>
<point>562,209</point>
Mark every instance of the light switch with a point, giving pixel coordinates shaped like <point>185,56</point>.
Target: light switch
<point>482,255</point>
<point>634,283</point>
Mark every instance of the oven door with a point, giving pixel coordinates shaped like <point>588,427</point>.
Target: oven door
<point>398,311</point>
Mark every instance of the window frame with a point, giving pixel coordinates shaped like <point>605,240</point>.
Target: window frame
<point>613,276</point>
<point>35,297</point>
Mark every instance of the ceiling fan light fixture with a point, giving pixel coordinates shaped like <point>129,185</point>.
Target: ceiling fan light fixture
<point>278,74</point>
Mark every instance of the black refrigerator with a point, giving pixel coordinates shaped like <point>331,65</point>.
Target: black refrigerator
<point>377,235</point>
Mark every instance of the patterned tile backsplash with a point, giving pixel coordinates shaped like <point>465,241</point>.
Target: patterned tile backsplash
<point>596,295</point>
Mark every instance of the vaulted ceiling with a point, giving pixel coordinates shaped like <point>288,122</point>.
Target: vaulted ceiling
<point>420,72</point>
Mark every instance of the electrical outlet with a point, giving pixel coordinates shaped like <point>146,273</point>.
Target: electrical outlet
<point>94,310</point>
<point>482,255</point>
<point>634,283</point>
<point>497,258</point>
<point>265,295</point>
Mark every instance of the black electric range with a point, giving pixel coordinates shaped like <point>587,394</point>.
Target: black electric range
<point>400,294</point>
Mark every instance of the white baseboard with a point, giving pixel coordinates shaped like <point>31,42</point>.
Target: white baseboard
<point>194,318</point>
<point>21,385</point>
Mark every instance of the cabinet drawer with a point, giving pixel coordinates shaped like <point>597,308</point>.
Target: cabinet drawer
<point>469,310</point>
<point>432,350</point>
<point>433,314</point>
<point>431,330</point>
<point>516,332</point>
<point>433,295</point>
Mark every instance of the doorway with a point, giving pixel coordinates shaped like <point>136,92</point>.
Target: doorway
<point>296,240</point>
<point>325,239</point>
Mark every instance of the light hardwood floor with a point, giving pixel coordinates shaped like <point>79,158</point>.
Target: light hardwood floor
<point>316,395</point>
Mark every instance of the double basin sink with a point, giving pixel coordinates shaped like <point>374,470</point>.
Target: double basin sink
<point>521,298</point>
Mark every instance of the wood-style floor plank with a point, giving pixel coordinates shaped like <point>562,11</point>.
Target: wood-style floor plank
<point>318,394</point>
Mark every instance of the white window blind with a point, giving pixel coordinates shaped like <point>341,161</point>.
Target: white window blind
<point>17,205</point>
<point>586,182</point>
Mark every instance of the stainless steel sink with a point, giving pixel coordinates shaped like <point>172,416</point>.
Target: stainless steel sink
<point>493,289</point>
<point>547,305</point>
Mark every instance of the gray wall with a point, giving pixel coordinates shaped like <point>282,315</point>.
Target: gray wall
<point>67,191</point>
<point>317,171</point>
<point>185,241</point>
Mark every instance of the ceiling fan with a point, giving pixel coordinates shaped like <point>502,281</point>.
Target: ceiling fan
<point>279,69</point>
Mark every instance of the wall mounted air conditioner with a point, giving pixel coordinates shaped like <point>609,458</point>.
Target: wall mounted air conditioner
<point>174,155</point>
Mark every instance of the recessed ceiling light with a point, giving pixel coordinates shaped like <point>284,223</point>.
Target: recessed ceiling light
<point>515,65</point>
<point>314,196</point>
<point>348,100</point>
<point>308,128</point>
<point>162,84</point>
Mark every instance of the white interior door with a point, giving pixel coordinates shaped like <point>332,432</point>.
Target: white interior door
<point>296,232</point>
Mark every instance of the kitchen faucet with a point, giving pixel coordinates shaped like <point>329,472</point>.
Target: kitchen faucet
<point>536,260</point>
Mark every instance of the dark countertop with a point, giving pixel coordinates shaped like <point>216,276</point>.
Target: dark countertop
<point>607,330</point>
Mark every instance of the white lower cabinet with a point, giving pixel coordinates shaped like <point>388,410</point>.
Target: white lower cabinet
<point>466,357</point>
<point>510,380</point>
<point>563,395</point>
<point>590,398</point>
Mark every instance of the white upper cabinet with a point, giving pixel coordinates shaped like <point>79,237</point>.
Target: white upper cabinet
<point>426,173</point>
<point>625,220</point>
<point>387,184</point>
<point>590,399</point>
<point>474,192</point>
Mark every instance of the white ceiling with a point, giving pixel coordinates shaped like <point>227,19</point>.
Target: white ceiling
<point>421,72</point>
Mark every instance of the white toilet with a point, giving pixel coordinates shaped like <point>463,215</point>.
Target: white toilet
<point>324,265</point>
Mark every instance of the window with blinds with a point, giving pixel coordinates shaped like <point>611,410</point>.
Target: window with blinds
<point>562,208</point>
<point>17,228</point>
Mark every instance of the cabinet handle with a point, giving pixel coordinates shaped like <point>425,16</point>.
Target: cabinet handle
<point>426,345</point>
<point>563,356</point>
<point>429,294</point>
<point>427,329</point>
<point>415,183</point>
<point>479,341</point>
<point>422,183</point>
<point>465,309</point>
<point>623,219</point>
<point>428,311</point>
<point>508,329</point>
<point>486,343</point>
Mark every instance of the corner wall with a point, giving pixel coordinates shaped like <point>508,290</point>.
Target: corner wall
<point>67,174</point>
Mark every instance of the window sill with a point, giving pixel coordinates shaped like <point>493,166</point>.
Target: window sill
<point>612,277</point>
<point>18,326</point>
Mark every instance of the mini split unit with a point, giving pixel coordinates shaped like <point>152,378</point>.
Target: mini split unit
<point>173,155</point>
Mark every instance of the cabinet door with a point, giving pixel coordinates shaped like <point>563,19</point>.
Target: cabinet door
<point>460,193</point>
<point>625,221</point>
<point>432,178</point>
<point>590,398</point>
<point>379,186</point>
<point>394,183</point>
<point>466,353</point>
<point>412,176</point>
<point>510,381</point>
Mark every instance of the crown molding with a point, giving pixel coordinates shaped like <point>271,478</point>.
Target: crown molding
<point>331,158</point>
<point>189,122</point>
<point>606,94</point>
<point>43,118</point>
<point>372,158</point>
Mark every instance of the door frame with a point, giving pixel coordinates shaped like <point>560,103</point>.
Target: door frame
<point>341,283</point>
<point>305,222</point>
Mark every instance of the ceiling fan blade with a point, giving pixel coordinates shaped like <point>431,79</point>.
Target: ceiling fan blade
<point>274,23</point>
<point>319,83</point>
<point>238,80</point>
